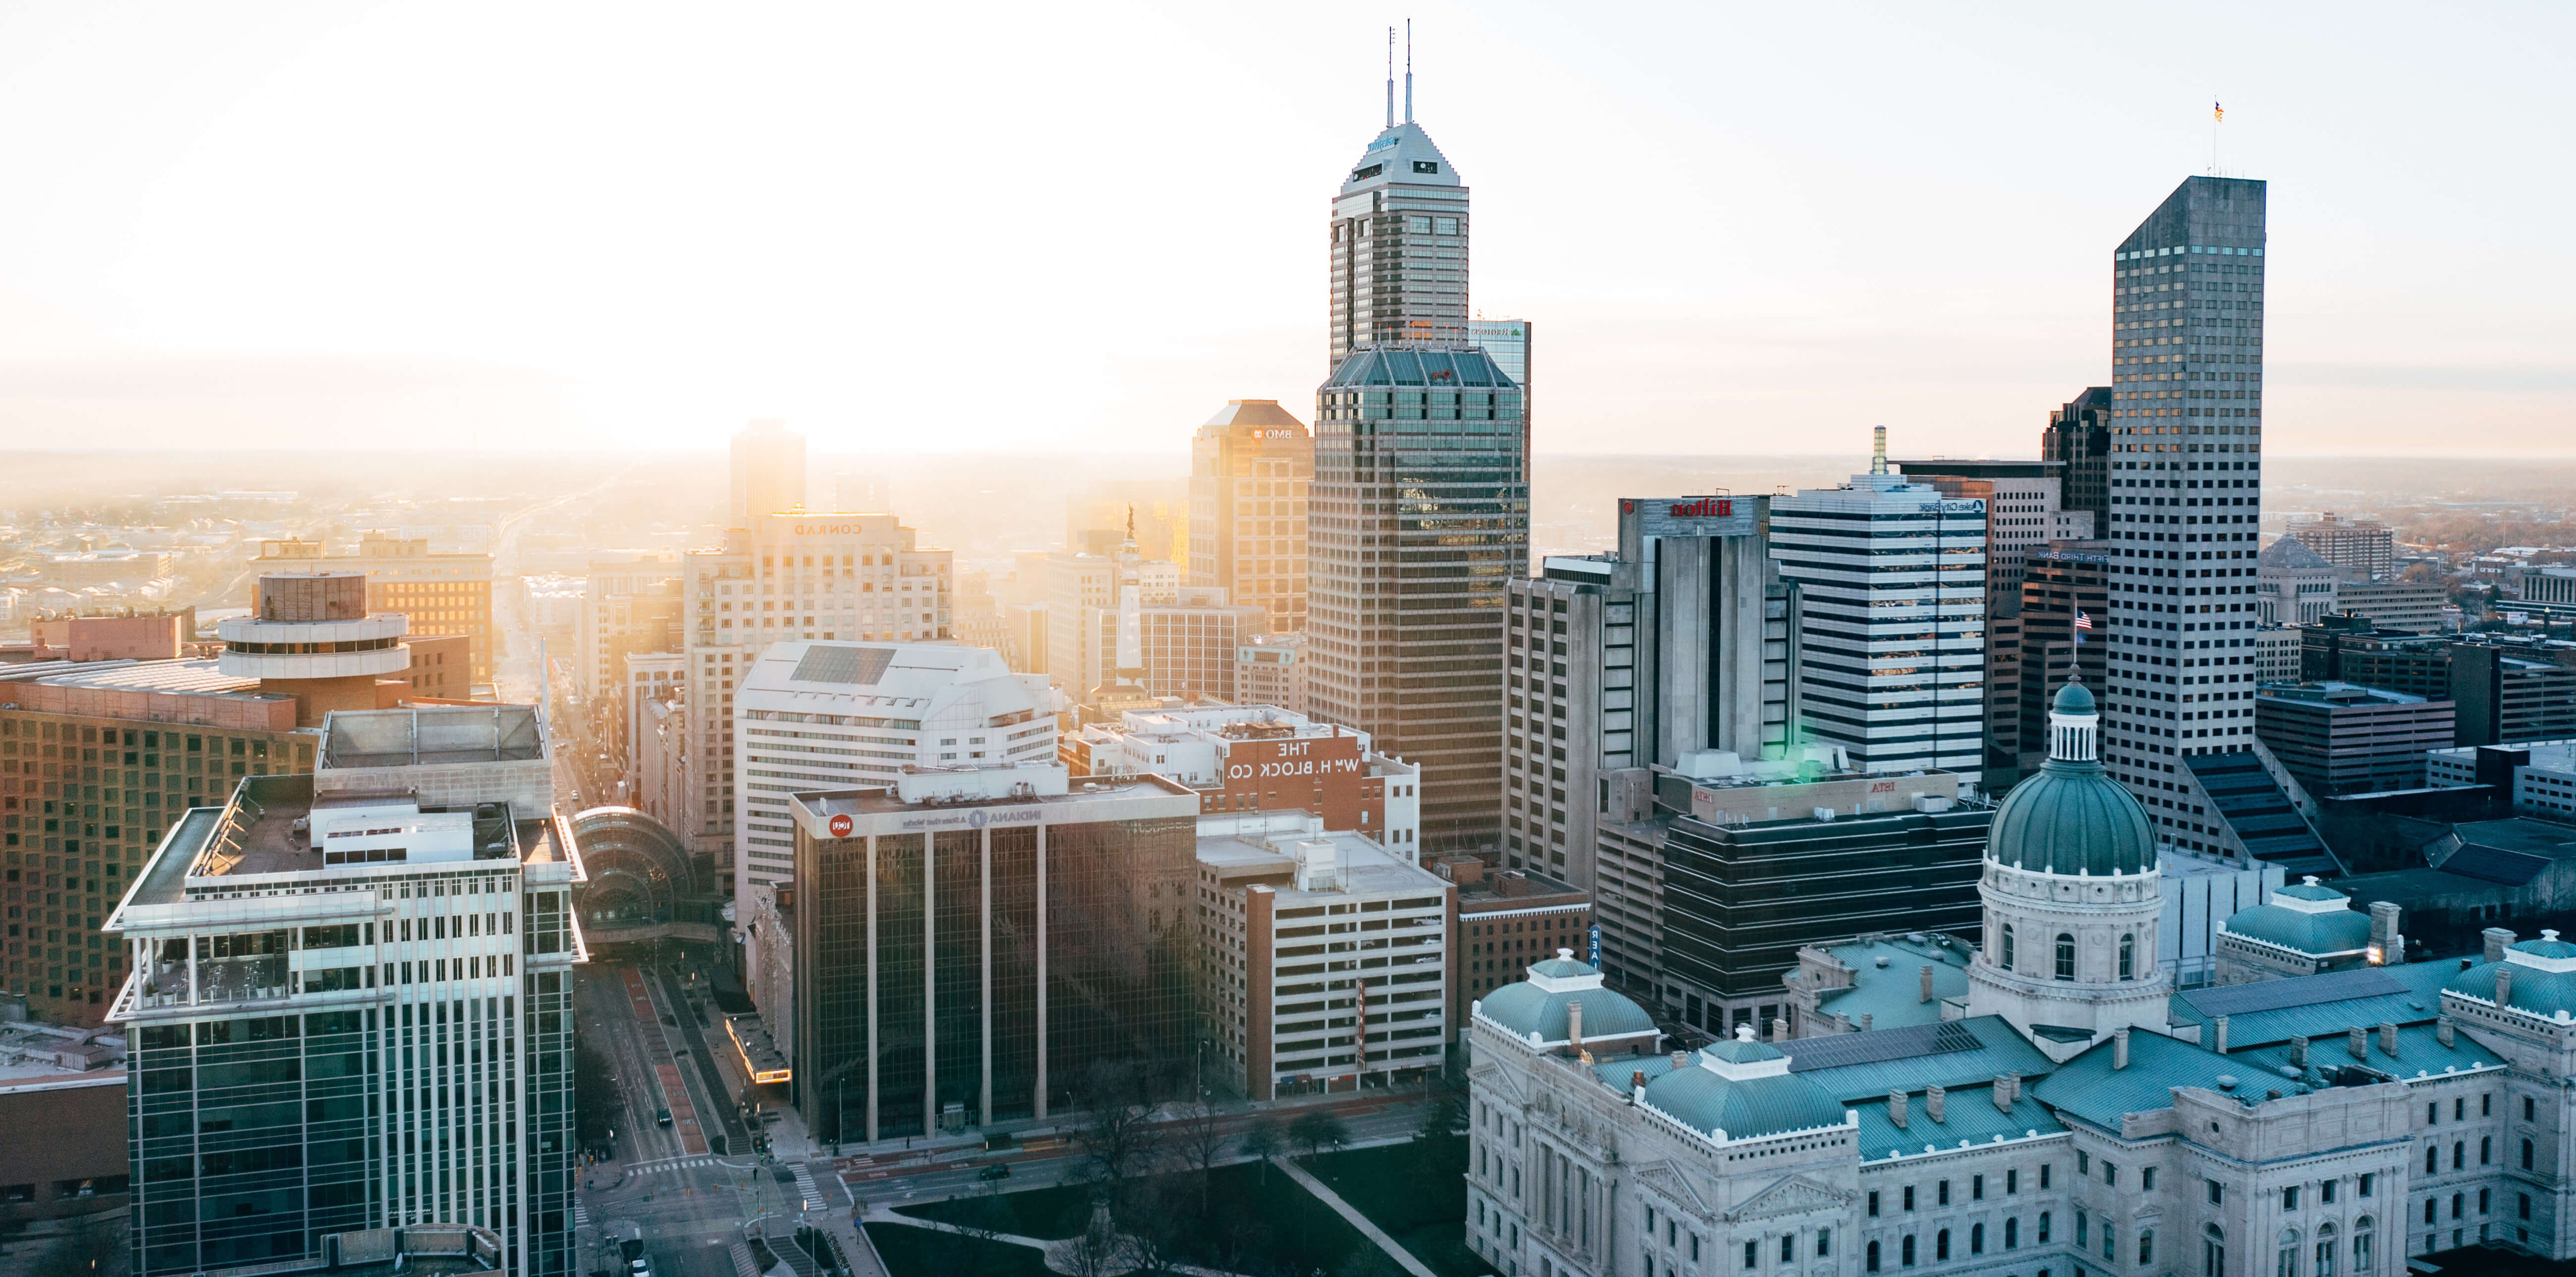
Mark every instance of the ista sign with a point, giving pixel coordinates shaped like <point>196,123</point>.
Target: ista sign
<point>1689,516</point>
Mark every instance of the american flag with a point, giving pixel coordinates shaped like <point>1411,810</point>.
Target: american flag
<point>2083,622</point>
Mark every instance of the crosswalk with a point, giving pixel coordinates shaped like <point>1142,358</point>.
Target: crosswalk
<point>580,1215</point>
<point>805,1185</point>
<point>682,1164</point>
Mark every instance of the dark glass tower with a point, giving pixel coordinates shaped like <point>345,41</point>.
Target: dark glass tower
<point>2185,498</point>
<point>1418,518</point>
<point>2079,437</point>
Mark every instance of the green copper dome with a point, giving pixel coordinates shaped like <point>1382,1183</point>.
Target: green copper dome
<point>2544,978</point>
<point>1540,1001</point>
<point>2072,817</point>
<point>1741,1089</point>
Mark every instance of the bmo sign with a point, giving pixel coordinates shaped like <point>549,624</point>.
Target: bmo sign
<point>1689,516</point>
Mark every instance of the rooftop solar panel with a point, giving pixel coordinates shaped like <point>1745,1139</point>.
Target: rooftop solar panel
<point>2278,995</point>
<point>844,664</point>
<point>1840,1049</point>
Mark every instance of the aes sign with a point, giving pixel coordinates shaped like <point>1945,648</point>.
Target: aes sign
<point>1690,516</point>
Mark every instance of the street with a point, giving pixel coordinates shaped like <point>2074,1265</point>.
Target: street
<point>692,1205</point>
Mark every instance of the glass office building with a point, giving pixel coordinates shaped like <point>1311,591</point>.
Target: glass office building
<point>965,956</point>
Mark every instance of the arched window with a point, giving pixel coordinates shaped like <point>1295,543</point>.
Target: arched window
<point>2526,1155</point>
<point>1976,1239</point>
<point>2008,946</point>
<point>2146,1247</point>
<point>2430,1206</point>
<point>2432,1159</point>
<point>2065,956</point>
<point>2361,1246</point>
<point>2287,1264</point>
<point>1905,1251</point>
<point>2213,1252</point>
<point>1872,1261</point>
<point>2128,957</point>
<point>2012,1233</point>
<point>2486,1149</point>
<point>2325,1251</point>
<point>1941,1245</point>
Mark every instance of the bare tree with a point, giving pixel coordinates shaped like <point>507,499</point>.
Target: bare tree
<point>1199,1136</point>
<point>1118,1138</point>
<point>1264,1142</point>
<point>1318,1129</point>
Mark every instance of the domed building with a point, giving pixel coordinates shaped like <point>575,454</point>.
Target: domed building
<point>2303,930</point>
<point>2076,1115</point>
<point>2072,895</point>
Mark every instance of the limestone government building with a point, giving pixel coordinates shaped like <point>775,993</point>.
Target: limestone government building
<point>2063,1110</point>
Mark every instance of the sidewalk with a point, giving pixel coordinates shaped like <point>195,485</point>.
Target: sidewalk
<point>1350,1213</point>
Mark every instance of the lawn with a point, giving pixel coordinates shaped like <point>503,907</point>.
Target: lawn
<point>1418,1195</point>
<point>927,1252</point>
<point>1253,1222</point>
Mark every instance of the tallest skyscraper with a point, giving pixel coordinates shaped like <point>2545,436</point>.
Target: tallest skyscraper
<point>1419,510</point>
<point>2186,488</point>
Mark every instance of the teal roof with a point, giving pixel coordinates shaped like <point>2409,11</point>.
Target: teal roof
<point>1999,1050</point>
<point>1968,1116</point>
<point>2420,1053</point>
<point>2416,999</point>
<point>1892,996</point>
<point>2315,934</point>
<point>1562,968</point>
<point>2536,990</point>
<point>1736,1051</point>
<point>2088,1088</point>
<point>1699,1098</point>
<point>1522,1007</point>
<point>2074,699</point>
<point>2310,891</point>
<point>2072,818</point>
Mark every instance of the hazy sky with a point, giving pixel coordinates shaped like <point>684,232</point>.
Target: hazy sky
<point>1756,228</point>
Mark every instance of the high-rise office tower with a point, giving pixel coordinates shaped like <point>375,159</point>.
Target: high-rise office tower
<point>2078,439</point>
<point>1893,580</point>
<point>1420,519</point>
<point>1399,239</point>
<point>1420,506</point>
<point>349,1005</point>
<point>1508,341</point>
<point>1250,465</point>
<point>2365,549</point>
<point>768,472</point>
<point>1680,641</point>
<point>2186,497</point>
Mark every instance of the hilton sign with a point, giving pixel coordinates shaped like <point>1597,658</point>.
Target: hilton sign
<point>1688,516</point>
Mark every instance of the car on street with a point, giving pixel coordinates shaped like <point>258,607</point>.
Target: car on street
<point>994,1172</point>
<point>641,1266</point>
<point>661,1117</point>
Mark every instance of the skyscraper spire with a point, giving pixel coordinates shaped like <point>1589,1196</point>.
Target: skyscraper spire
<point>1390,76</point>
<point>1408,70</point>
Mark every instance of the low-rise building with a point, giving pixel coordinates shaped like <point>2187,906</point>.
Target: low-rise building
<point>2293,585</point>
<point>2343,738</point>
<point>2303,930</point>
<point>1250,758</point>
<point>1503,919</point>
<point>1324,959</point>
<point>62,1099</point>
<point>2539,775</point>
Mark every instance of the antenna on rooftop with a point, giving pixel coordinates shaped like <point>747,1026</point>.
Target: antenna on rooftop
<point>1390,77</point>
<point>1408,70</point>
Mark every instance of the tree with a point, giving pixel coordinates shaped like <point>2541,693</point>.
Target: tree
<point>94,1247</point>
<point>1118,1140</point>
<point>1200,1138</point>
<point>1263,1141</point>
<point>1318,1129</point>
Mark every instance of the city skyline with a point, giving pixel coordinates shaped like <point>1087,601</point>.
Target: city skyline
<point>527,325</point>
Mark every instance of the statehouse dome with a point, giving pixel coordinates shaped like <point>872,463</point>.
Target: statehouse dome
<point>2072,817</point>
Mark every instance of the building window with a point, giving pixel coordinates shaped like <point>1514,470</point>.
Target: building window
<point>2008,947</point>
<point>2128,957</point>
<point>2065,956</point>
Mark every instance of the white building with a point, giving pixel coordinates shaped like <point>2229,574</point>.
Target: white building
<point>2073,1113</point>
<point>829,715</point>
<point>2293,585</point>
<point>1263,758</point>
<point>791,576</point>
<point>1893,610</point>
<point>364,972</point>
<point>1323,959</point>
